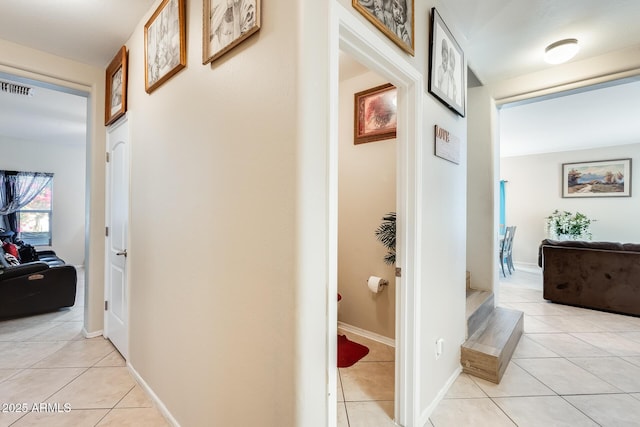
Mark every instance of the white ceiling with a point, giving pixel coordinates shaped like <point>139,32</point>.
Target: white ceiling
<point>505,38</point>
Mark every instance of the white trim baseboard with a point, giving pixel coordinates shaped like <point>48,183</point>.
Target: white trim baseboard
<point>424,416</point>
<point>92,334</point>
<point>367,334</point>
<point>154,397</point>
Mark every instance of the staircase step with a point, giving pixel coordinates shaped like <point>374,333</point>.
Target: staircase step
<point>488,351</point>
<point>480,304</point>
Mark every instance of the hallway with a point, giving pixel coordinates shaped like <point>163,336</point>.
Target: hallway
<point>51,376</point>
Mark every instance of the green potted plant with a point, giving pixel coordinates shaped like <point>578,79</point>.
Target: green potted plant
<point>386,234</point>
<point>563,225</point>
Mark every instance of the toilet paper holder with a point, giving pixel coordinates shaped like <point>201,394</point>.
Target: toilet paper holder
<point>383,282</point>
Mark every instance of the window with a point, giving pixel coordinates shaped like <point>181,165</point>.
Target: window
<point>34,219</point>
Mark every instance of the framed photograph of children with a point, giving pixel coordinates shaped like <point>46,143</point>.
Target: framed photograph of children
<point>165,44</point>
<point>115,100</point>
<point>226,24</point>
<point>393,17</point>
<point>375,115</point>
<point>602,178</point>
<point>446,66</point>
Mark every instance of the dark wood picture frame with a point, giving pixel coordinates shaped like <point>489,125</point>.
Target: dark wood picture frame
<point>245,20</point>
<point>165,43</point>
<point>600,178</point>
<point>375,114</point>
<point>115,99</point>
<point>383,15</point>
<point>447,80</point>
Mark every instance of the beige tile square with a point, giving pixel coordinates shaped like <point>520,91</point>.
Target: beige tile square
<point>464,388</point>
<point>22,331</point>
<point>515,382</point>
<point>611,342</point>
<point>564,377</point>
<point>613,322</point>
<point>339,392</point>
<point>633,336</point>
<point>343,420</point>
<point>613,370</point>
<point>633,359</point>
<point>542,308</point>
<point>136,398</point>
<point>7,373</point>
<point>528,348</point>
<point>469,413</point>
<point>543,411</point>
<point>635,395</point>
<point>112,359</point>
<point>368,381</point>
<point>609,410</point>
<point>25,354</point>
<point>369,414</point>
<point>84,353</point>
<point>133,417</point>
<point>61,331</point>
<point>567,345</point>
<point>82,393</point>
<point>571,323</point>
<point>74,418</point>
<point>533,326</point>
<point>35,385</point>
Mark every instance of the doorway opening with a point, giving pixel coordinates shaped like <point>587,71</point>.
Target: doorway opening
<point>358,41</point>
<point>47,130</point>
<point>366,195</point>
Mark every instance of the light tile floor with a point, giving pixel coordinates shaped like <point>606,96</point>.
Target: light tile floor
<point>50,375</point>
<point>366,389</point>
<point>572,367</point>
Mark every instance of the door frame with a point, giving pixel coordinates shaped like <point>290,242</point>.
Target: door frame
<point>359,41</point>
<point>125,120</point>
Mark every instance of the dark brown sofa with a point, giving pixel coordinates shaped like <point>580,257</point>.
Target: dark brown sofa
<point>598,275</point>
<point>36,287</point>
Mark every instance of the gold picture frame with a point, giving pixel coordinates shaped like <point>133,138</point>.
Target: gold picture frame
<point>165,43</point>
<point>115,99</point>
<point>375,114</point>
<point>395,18</point>
<point>227,24</point>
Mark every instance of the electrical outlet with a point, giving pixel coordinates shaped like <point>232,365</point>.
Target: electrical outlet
<point>439,347</point>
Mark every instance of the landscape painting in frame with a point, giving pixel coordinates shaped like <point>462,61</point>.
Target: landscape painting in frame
<point>603,178</point>
<point>393,17</point>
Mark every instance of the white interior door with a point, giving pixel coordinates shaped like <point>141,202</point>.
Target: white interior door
<point>117,219</point>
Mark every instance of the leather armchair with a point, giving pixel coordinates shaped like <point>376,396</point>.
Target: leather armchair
<point>36,287</point>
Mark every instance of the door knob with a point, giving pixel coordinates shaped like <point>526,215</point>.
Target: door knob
<point>123,253</point>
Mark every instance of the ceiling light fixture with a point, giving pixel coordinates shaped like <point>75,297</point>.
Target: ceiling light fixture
<point>561,51</point>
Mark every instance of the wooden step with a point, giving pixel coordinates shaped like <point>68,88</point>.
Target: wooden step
<point>488,351</point>
<point>480,304</point>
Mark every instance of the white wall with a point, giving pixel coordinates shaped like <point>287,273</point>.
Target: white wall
<point>67,163</point>
<point>367,192</point>
<point>213,228</point>
<point>534,192</point>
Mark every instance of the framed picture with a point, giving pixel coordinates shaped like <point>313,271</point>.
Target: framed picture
<point>375,116</point>
<point>165,43</point>
<point>115,100</point>
<point>446,66</point>
<point>393,17</point>
<point>226,24</point>
<point>602,178</point>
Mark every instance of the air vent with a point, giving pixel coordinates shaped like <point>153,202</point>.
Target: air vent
<point>16,89</point>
